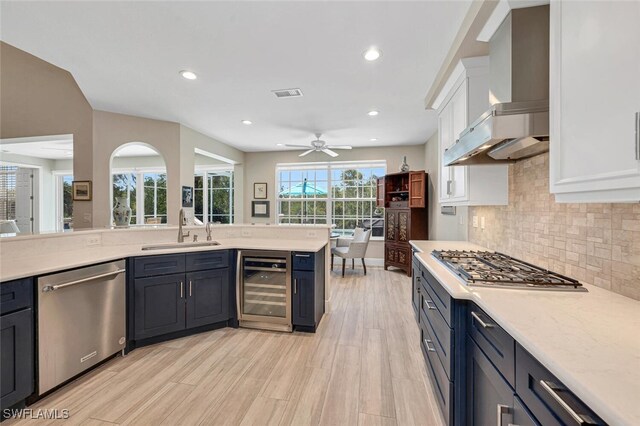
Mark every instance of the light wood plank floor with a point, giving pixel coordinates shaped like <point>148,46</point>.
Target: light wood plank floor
<point>363,367</point>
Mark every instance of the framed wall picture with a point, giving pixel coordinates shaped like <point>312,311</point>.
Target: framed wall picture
<point>81,190</point>
<point>260,190</point>
<point>259,209</point>
<point>187,196</point>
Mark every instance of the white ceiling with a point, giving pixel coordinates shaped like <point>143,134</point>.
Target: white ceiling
<point>126,57</point>
<point>50,149</point>
<point>60,147</point>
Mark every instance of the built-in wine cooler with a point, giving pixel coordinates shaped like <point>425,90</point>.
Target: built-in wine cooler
<point>264,290</point>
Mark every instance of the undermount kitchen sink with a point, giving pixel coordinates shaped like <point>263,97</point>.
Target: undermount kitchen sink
<point>170,246</point>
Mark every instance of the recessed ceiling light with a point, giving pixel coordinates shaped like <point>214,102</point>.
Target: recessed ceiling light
<point>373,113</point>
<point>247,122</point>
<point>372,53</point>
<point>279,144</point>
<point>373,140</point>
<point>189,75</point>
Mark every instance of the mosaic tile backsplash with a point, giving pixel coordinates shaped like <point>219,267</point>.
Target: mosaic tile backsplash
<point>597,244</point>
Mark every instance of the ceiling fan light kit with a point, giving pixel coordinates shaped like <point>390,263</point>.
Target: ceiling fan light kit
<point>319,145</point>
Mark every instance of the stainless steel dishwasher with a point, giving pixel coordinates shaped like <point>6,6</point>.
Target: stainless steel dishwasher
<point>81,321</point>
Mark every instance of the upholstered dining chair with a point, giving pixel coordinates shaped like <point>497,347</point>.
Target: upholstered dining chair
<point>352,248</point>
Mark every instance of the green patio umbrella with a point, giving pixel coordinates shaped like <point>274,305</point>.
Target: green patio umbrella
<point>303,189</point>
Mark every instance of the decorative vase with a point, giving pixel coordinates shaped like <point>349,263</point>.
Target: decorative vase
<point>122,212</point>
<point>404,167</point>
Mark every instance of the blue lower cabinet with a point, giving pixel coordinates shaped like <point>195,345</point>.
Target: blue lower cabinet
<point>442,387</point>
<point>303,298</point>
<point>207,295</point>
<point>307,290</point>
<point>159,305</point>
<point>548,400</point>
<point>489,396</point>
<point>17,331</point>
<point>416,276</point>
<point>195,294</point>
<point>16,363</point>
<point>494,341</point>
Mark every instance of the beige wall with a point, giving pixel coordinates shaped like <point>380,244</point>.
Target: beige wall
<point>595,243</point>
<point>441,227</point>
<point>261,166</point>
<point>110,131</point>
<point>40,99</point>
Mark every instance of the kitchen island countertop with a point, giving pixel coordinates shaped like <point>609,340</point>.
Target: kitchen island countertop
<point>589,340</point>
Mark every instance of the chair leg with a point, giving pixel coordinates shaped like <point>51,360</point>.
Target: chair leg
<point>343,262</point>
<point>353,263</point>
<point>332,261</point>
<point>364,266</point>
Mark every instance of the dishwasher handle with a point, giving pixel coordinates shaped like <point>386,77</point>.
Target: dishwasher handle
<point>49,288</point>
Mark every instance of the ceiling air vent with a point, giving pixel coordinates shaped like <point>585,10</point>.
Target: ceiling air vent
<point>287,93</point>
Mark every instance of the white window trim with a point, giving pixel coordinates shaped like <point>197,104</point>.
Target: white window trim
<point>59,198</point>
<point>203,171</point>
<point>139,172</point>
<point>330,165</point>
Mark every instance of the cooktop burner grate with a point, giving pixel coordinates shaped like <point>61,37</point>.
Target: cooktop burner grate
<point>492,269</point>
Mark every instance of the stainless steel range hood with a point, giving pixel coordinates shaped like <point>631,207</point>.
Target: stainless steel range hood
<point>517,125</point>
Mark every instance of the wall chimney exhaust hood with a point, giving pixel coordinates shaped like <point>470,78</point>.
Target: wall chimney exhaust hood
<point>517,124</point>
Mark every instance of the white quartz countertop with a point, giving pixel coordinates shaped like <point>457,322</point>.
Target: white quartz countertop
<point>27,266</point>
<point>589,340</point>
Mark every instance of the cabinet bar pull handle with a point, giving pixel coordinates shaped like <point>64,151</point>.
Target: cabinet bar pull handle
<point>449,182</point>
<point>479,320</point>
<point>551,390</point>
<point>189,288</point>
<point>502,410</point>
<point>302,255</point>
<point>638,136</point>
<point>426,303</point>
<point>181,290</point>
<point>295,286</point>
<point>429,348</point>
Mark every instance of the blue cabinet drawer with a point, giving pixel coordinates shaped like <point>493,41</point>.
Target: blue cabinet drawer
<point>441,335</point>
<point>441,298</point>
<point>148,266</point>
<point>16,295</point>
<point>303,261</point>
<point>16,357</point>
<point>549,401</point>
<point>207,260</point>
<point>496,343</point>
<point>442,387</point>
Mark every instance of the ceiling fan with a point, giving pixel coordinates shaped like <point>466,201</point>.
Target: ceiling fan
<point>318,145</point>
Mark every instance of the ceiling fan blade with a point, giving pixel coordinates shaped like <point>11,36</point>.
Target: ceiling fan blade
<point>329,152</point>
<point>307,152</point>
<point>339,147</point>
<point>295,146</point>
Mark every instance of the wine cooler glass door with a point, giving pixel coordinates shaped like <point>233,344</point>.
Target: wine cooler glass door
<point>265,292</point>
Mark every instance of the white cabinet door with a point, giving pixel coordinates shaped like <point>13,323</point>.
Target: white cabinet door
<point>444,141</point>
<point>595,95</point>
<point>459,122</point>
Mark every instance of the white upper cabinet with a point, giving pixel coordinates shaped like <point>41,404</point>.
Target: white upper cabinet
<point>595,101</point>
<point>465,97</point>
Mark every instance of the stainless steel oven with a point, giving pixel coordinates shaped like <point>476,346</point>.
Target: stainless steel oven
<point>264,290</point>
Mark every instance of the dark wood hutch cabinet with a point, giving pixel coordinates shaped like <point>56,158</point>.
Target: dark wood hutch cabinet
<point>404,197</point>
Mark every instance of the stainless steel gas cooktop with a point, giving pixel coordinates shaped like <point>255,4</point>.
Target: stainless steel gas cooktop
<point>492,269</point>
